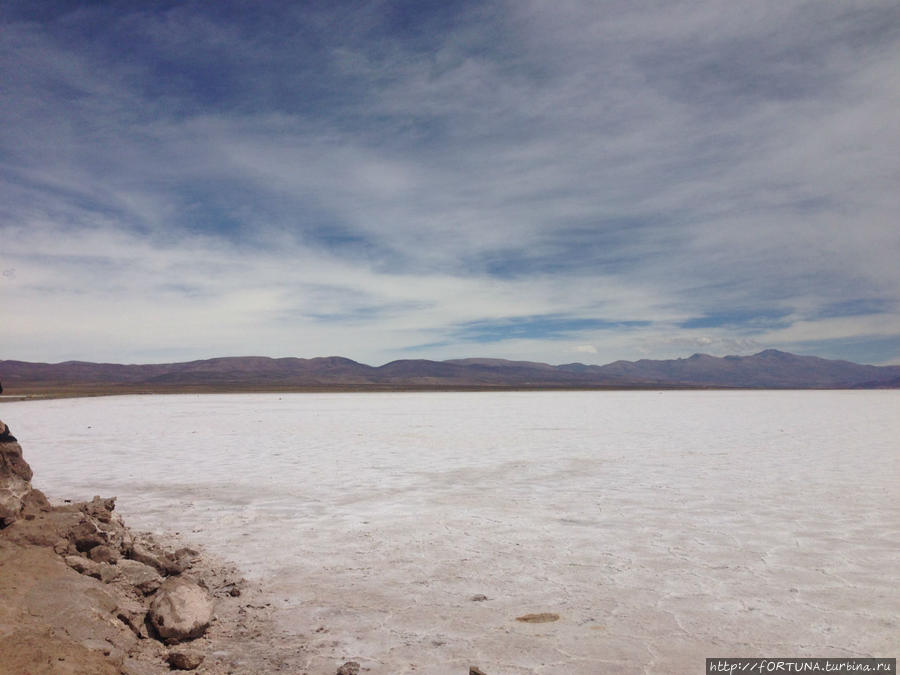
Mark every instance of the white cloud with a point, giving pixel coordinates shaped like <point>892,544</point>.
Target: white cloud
<point>600,162</point>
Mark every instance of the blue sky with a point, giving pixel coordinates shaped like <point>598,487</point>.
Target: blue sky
<point>566,181</point>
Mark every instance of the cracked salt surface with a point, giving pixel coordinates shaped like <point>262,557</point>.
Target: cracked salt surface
<point>662,527</point>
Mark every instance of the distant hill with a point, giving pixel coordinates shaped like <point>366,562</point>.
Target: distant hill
<point>767,369</point>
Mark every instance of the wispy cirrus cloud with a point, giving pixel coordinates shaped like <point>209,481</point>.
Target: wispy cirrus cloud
<point>535,181</point>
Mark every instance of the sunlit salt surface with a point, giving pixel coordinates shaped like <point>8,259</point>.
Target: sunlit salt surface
<point>662,527</point>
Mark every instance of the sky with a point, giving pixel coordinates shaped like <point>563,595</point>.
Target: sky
<point>551,181</point>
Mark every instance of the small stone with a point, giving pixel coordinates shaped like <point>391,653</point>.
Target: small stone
<point>234,592</point>
<point>349,668</point>
<point>479,598</point>
<point>184,660</point>
<point>543,617</point>
<point>475,670</point>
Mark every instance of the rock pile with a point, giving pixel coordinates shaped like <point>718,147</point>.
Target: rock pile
<point>81,593</point>
<point>133,593</point>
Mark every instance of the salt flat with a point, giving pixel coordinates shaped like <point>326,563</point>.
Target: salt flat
<point>662,527</point>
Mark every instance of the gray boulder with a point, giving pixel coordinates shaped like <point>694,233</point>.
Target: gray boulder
<point>181,610</point>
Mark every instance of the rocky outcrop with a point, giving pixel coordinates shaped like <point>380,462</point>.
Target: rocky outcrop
<point>83,593</point>
<point>16,492</point>
<point>181,610</point>
<point>77,586</point>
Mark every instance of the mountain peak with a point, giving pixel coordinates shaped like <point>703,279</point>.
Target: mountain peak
<point>773,353</point>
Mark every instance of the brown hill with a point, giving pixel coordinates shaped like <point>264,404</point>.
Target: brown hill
<point>767,369</point>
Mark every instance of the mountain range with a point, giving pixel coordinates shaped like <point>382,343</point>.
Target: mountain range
<point>767,369</point>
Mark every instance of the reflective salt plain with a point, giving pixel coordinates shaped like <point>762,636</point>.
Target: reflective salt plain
<point>662,527</point>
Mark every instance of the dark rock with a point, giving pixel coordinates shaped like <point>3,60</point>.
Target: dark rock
<point>349,668</point>
<point>185,660</point>
<point>85,543</point>
<point>181,610</point>
<point>474,670</point>
<point>543,617</point>
<point>478,598</point>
